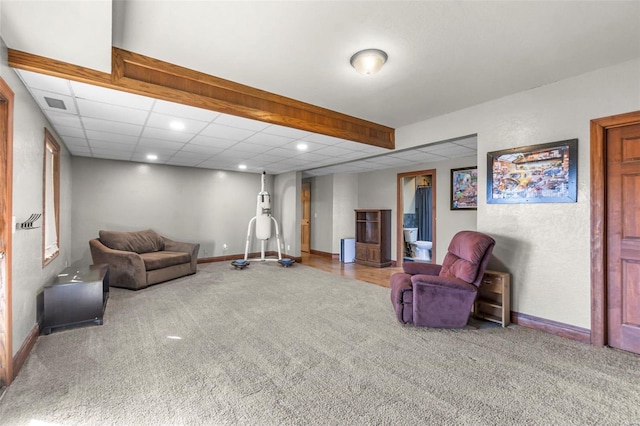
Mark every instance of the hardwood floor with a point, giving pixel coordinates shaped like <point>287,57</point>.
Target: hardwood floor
<point>378,276</point>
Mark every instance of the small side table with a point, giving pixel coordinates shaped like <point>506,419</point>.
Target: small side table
<point>76,296</point>
<point>494,298</point>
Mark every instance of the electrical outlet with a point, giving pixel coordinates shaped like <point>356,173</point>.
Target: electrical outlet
<point>224,246</point>
<point>288,247</point>
<point>206,251</point>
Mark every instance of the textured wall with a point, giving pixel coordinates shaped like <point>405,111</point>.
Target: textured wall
<point>544,246</point>
<point>322,213</point>
<point>287,210</point>
<point>29,277</point>
<point>345,201</point>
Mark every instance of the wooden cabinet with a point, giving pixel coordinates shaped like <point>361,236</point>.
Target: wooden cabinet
<point>494,298</point>
<point>373,238</point>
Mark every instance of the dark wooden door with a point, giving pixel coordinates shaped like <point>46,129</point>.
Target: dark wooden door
<point>305,231</point>
<point>623,237</point>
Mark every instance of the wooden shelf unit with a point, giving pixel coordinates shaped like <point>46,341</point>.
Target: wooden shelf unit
<point>373,238</point>
<point>494,298</point>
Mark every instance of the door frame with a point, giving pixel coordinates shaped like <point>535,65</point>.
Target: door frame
<point>6,158</point>
<point>400,212</point>
<point>598,221</point>
<point>302,207</point>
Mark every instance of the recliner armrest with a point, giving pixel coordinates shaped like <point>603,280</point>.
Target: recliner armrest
<point>415,268</point>
<point>445,282</point>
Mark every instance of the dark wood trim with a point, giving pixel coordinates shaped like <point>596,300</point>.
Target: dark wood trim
<point>6,202</point>
<point>24,351</point>
<point>322,253</point>
<point>598,221</point>
<point>142,75</point>
<point>572,332</point>
<point>229,257</point>
<point>400,212</point>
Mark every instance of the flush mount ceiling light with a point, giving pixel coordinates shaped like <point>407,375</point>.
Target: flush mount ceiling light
<point>152,157</point>
<point>242,166</point>
<point>369,61</point>
<point>302,146</point>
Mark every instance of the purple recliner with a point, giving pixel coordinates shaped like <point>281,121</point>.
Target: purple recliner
<point>430,295</point>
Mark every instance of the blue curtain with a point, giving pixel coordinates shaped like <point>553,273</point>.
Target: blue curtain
<point>424,212</point>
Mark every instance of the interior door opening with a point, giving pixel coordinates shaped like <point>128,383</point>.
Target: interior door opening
<point>416,231</point>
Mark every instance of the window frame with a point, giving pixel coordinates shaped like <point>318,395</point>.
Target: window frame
<point>52,148</point>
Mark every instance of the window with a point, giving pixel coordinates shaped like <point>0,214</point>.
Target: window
<point>51,197</point>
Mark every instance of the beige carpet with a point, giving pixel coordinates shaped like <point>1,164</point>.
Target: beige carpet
<point>297,346</point>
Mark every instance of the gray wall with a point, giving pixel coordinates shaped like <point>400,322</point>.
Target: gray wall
<point>287,210</point>
<point>186,204</point>
<point>322,213</point>
<point>546,247</point>
<point>345,201</point>
<point>29,276</point>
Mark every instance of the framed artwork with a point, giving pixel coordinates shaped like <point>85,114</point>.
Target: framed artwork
<point>544,173</point>
<point>464,188</point>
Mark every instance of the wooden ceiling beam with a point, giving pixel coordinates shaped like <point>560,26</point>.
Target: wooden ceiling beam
<point>142,75</point>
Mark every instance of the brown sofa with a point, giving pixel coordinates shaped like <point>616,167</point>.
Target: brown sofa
<point>139,259</point>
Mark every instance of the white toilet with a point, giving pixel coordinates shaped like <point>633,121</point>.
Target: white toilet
<point>421,250</point>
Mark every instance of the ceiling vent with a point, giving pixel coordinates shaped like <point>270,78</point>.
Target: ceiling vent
<point>55,103</point>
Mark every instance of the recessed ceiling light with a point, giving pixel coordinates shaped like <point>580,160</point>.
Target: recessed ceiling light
<point>177,125</point>
<point>242,166</point>
<point>152,157</point>
<point>302,146</point>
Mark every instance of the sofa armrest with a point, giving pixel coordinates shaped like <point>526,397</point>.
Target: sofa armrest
<point>126,269</point>
<point>415,268</point>
<point>443,282</point>
<point>191,248</point>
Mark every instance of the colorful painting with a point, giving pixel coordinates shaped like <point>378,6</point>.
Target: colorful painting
<point>545,173</point>
<point>464,188</point>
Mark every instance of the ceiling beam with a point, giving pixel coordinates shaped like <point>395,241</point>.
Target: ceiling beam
<point>142,75</point>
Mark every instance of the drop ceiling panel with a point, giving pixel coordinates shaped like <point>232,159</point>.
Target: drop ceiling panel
<point>167,135</point>
<point>109,126</point>
<point>185,111</point>
<point>226,132</point>
<point>117,113</point>
<point>128,127</point>
<point>165,121</point>
<point>111,137</point>
<point>211,142</point>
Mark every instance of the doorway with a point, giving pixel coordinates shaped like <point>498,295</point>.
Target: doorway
<point>416,212</point>
<point>305,222</point>
<point>6,189</point>
<point>615,231</point>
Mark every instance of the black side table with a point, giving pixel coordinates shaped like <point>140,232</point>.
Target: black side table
<point>76,296</point>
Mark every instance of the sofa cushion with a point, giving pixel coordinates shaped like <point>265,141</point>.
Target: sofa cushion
<point>137,242</point>
<point>163,259</point>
